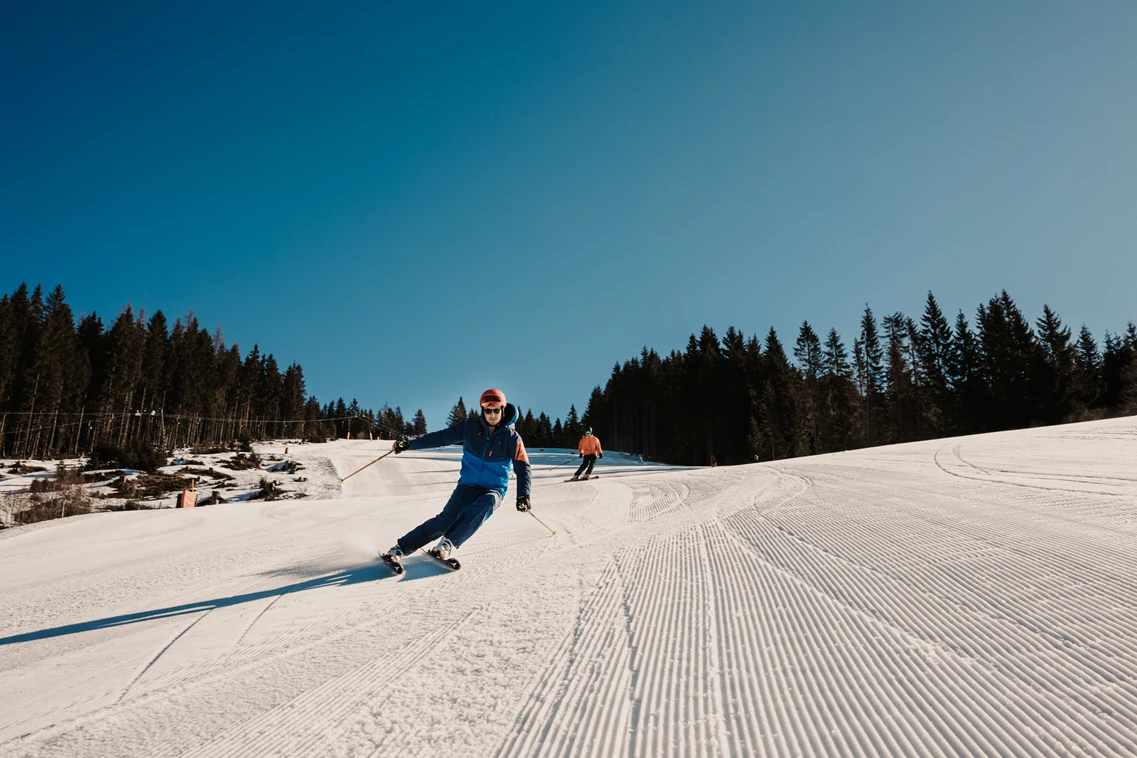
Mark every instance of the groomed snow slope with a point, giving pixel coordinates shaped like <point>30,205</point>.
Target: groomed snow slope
<point>976,596</point>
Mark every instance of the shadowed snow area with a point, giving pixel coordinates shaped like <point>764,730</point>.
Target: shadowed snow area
<point>971,596</point>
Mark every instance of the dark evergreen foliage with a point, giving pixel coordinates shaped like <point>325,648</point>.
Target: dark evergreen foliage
<point>870,377</point>
<point>935,348</point>
<point>1087,371</point>
<point>808,355</point>
<point>1057,372</point>
<point>457,413</point>
<point>971,394</point>
<point>737,400</point>
<point>141,386</point>
<point>1127,367</point>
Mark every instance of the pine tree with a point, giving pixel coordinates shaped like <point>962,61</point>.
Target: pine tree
<point>779,402</point>
<point>23,330</point>
<point>390,422</point>
<point>968,382</point>
<point>841,400</point>
<point>293,392</point>
<point>1088,373</point>
<point>92,343</point>
<point>545,431</point>
<point>400,423</point>
<point>593,412</point>
<point>1112,365</point>
<point>1128,384</point>
<point>65,373</point>
<point>935,350</point>
<point>271,386</point>
<point>126,343</point>
<point>155,359</point>
<point>755,376</point>
<point>527,425</point>
<point>1013,363</point>
<point>925,418</point>
<point>248,379</point>
<point>315,428</point>
<point>26,317</point>
<point>190,363</point>
<point>808,355</point>
<point>1057,395</point>
<point>870,375</point>
<point>228,380</point>
<point>7,367</point>
<point>898,385</point>
<point>736,407</point>
<point>700,379</point>
<point>573,430</point>
<point>340,413</point>
<point>457,413</point>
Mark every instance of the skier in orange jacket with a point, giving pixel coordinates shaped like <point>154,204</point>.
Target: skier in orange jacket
<point>589,449</point>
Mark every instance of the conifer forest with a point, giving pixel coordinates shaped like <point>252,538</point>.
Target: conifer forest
<point>737,399</point>
<point>71,387</point>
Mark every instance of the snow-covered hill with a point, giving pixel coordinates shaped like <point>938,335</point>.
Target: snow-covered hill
<point>974,596</point>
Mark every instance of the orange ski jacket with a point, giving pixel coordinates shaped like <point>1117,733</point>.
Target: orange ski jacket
<point>589,445</point>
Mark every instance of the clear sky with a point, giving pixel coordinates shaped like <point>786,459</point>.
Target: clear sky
<point>417,201</point>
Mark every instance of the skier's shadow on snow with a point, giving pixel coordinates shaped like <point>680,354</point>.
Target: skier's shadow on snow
<point>367,573</point>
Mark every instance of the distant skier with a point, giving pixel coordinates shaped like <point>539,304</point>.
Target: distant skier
<point>490,448</point>
<point>589,450</point>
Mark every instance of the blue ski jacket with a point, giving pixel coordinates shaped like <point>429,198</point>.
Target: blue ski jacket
<point>486,458</point>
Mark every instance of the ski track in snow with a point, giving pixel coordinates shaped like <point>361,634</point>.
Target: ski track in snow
<point>963,597</point>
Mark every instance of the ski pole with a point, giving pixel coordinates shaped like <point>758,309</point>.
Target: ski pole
<point>570,460</point>
<point>353,473</point>
<point>542,523</point>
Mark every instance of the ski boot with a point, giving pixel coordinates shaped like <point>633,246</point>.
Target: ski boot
<point>441,552</point>
<point>393,558</point>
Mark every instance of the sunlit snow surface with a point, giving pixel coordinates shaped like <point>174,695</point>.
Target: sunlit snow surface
<point>974,596</point>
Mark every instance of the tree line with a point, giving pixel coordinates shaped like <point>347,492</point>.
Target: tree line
<point>67,386</point>
<point>736,399</point>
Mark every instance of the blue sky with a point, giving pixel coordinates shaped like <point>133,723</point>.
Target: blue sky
<point>418,201</point>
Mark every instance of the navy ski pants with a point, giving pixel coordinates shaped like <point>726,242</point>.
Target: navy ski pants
<point>589,462</point>
<point>467,509</point>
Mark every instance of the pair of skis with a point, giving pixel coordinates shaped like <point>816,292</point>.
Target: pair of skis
<point>398,568</point>
<point>583,478</point>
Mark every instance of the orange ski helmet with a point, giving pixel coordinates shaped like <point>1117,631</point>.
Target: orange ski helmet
<point>492,398</point>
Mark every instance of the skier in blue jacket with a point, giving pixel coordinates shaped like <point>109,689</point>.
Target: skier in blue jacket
<point>491,447</point>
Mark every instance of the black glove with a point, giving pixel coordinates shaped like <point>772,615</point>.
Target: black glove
<point>600,456</point>
<point>580,455</point>
<point>523,503</point>
<point>400,445</point>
